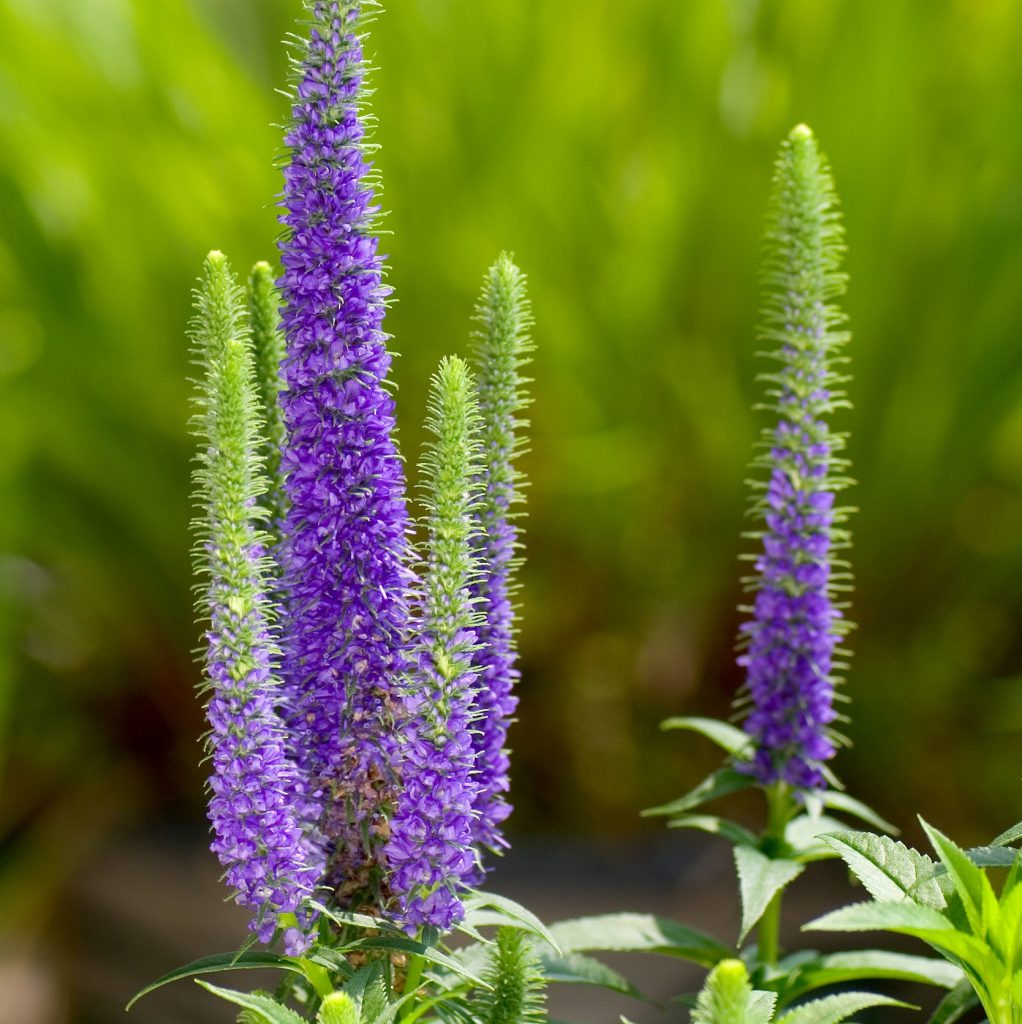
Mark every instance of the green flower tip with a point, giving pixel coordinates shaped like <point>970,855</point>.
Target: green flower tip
<point>261,269</point>
<point>216,257</point>
<point>801,133</point>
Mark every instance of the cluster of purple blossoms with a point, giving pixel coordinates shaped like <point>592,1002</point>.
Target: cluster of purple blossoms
<point>364,757</point>
<point>788,647</point>
<point>344,552</point>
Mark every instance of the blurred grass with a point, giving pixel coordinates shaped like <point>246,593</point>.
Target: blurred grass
<point>624,154</point>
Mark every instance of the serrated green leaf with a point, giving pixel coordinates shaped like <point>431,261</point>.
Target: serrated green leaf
<point>992,856</point>
<point>958,1002</point>
<point>347,918</point>
<point>374,1001</point>
<point>889,870</point>
<point>760,878</point>
<point>865,917</point>
<point>638,933</point>
<point>731,830</point>
<point>337,1008</point>
<point>722,782</point>
<point>362,980</point>
<point>803,835</point>
<point>725,735</point>
<point>832,1009</point>
<point>576,968</point>
<point>837,800</point>
<point>972,886</point>
<point>513,914</point>
<point>221,962</point>
<point>1011,835</point>
<point>267,1009</point>
<point>859,965</point>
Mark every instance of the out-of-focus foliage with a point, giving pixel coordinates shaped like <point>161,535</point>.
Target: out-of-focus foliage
<point>623,152</point>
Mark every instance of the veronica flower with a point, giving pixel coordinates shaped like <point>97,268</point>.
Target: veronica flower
<point>268,861</point>
<point>502,350</point>
<point>342,561</point>
<point>789,644</point>
<point>430,848</point>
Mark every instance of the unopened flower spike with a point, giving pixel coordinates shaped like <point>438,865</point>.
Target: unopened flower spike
<point>269,863</point>
<point>268,350</point>
<point>343,563</point>
<point>788,646</point>
<point>517,992</point>
<point>502,349</point>
<point>430,850</point>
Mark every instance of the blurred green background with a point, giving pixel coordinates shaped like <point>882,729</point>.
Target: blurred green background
<point>623,152</point>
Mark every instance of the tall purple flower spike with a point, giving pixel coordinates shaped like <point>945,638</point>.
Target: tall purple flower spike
<point>502,349</point>
<point>789,644</point>
<point>270,863</point>
<point>430,848</point>
<point>343,558</point>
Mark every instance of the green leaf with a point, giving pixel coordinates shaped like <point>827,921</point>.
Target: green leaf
<point>363,982</point>
<point>760,878</point>
<point>837,968</point>
<point>338,1008</point>
<point>992,856</point>
<point>403,944</point>
<point>865,917</point>
<point>576,968</point>
<point>345,918</point>
<point>638,933</point>
<point>221,962</point>
<point>970,882</point>
<point>265,1008</point>
<point>833,1009</point>
<point>1012,835</point>
<point>803,834</point>
<point>837,800</point>
<point>509,913</point>
<point>721,783</point>
<point>889,870</point>
<point>738,835</point>
<point>958,1002</point>
<point>726,736</point>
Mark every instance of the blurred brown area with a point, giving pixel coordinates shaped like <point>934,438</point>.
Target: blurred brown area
<point>624,155</point>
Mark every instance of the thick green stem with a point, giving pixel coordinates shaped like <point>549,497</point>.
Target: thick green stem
<point>779,808</point>
<point>413,977</point>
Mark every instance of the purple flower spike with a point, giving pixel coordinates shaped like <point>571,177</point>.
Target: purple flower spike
<point>342,562</point>
<point>789,645</point>
<point>430,849</point>
<point>502,350</point>
<point>269,863</point>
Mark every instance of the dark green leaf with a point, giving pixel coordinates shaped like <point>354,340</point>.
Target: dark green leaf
<point>576,968</point>
<point>760,878</point>
<point>958,1002</point>
<point>738,835</point>
<point>721,783</point>
<point>992,856</point>
<point>265,1008</point>
<point>837,968</point>
<point>403,944</point>
<point>221,962</point>
<point>837,800</point>
<point>1012,835</point>
<point>513,914</point>
<point>833,1009</point>
<point>864,917</point>
<point>725,735</point>
<point>638,933</point>
<point>969,880</point>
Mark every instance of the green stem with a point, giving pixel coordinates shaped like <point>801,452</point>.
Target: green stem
<point>779,807</point>
<point>413,977</point>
